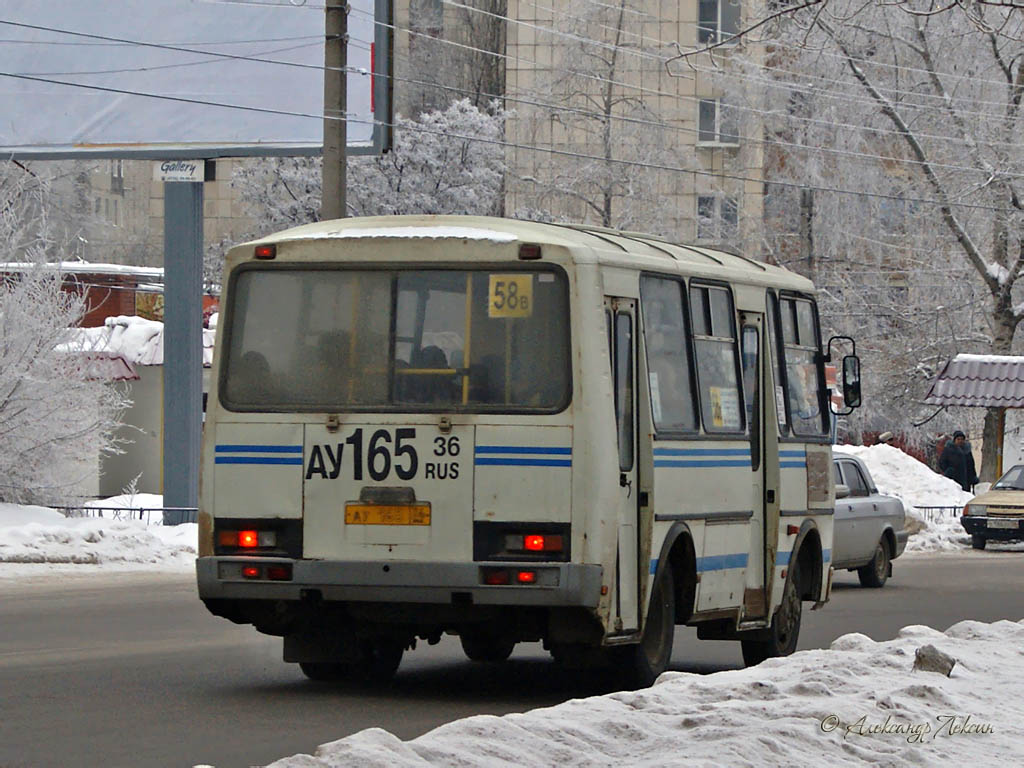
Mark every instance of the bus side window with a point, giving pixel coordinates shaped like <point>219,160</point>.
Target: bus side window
<point>670,374</point>
<point>776,363</point>
<point>714,339</point>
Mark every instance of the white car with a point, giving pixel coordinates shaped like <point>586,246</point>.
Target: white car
<point>868,533</point>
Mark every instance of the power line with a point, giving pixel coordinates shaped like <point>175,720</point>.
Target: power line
<point>497,142</point>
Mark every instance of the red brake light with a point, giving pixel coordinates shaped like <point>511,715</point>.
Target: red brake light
<point>248,539</point>
<point>526,577</point>
<point>533,543</point>
<point>251,571</point>
<point>265,251</point>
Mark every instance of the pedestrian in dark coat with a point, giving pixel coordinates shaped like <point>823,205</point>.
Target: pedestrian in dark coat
<point>957,461</point>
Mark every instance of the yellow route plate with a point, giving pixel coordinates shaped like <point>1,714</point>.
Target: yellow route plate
<point>510,295</point>
<point>387,514</point>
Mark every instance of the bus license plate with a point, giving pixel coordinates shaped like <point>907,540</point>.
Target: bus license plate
<point>1002,523</point>
<point>387,514</point>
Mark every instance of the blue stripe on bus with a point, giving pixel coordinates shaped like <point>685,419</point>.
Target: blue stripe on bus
<point>798,454</point>
<point>257,460</point>
<point>702,452</point>
<point>722,562</point>
<point>258,449</point>
<point>792,464</point>
<point>714,562</point>
<point>513,462</point>
<point>703,463</point>
<point>522,449</point>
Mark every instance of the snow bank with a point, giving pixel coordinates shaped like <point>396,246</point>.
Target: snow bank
<point>41,535</point>
<point>916,485</point>
<point>858,703</point>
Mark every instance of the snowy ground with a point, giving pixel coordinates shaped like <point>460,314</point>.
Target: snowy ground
<point>37,539</point>
<point>858,703</point>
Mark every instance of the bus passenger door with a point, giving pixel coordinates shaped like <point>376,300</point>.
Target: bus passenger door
<point>755,596</point>
<point>621,318</point>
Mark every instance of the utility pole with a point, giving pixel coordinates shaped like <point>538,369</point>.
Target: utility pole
<point>332,205</point>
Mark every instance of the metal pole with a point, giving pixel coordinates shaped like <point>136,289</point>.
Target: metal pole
<point>183,346</point>
<point>332,204</point>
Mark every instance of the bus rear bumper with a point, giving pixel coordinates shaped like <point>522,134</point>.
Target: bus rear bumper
<point>554,584</point>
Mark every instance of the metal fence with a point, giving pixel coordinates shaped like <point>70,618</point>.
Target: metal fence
<point>150,515</point>
<point>934,514</point>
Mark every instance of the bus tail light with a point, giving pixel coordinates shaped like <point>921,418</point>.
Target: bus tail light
<point>247,539</point>
<point>279,572</point>
<point>526,577</point>
<point>496,577</point>
<point>251,571</point>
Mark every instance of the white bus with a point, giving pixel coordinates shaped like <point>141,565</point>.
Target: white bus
<point>513,432</point>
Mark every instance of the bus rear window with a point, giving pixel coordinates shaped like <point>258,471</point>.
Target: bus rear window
<point>328,339</point>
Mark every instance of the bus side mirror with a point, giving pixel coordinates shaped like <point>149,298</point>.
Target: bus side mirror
<point>851,374</point>
<point>851,381</point>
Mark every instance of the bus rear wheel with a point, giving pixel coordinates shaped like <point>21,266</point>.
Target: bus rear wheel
<point>785,628</point>
<point>379,660</point>
<point>486,646</point>
<point>639,665</point>
<point>324,671</point>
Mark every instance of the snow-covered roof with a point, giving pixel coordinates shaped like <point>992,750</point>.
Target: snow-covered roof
<point>86,267</point>
<point>980,380</point>
<point>137,340</point>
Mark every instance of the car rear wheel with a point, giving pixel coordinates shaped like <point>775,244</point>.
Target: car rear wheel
<point>876,573</point>
<point>978,541</point>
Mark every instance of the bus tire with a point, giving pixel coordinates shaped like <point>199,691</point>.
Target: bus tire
<point>486,646</point>
<point>324,671</point>
<point>379,660</point>
<point>784,632</point>
<point>876,573</point>
<point>639,665</point>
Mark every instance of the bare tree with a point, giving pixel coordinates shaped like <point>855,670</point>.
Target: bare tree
<point>920,114</point>
<point>610,137</point>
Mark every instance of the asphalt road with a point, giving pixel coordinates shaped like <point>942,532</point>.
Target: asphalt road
<point>130,670</point>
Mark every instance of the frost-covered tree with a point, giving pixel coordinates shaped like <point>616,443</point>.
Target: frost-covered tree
<point>919,113</point>
<point>450,161</point>
<point>56,413</point>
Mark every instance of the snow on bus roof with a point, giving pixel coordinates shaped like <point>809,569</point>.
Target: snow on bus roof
<point>427,232</point>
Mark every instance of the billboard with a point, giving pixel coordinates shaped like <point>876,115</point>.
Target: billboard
<point>182,78</point>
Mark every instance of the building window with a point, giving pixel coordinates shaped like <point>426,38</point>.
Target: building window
<point>717,123</point>
<point>717,217</point>
<point>717,20</point>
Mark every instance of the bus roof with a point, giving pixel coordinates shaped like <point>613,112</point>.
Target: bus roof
<point>586,244</point>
